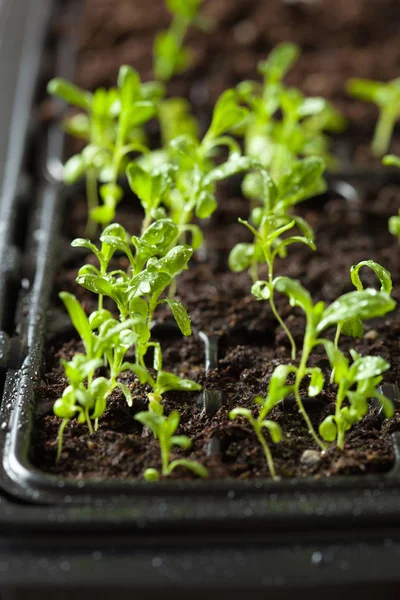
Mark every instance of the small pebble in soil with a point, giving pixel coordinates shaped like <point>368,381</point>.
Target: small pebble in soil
<point>310,457</point>
<point>371,335</point>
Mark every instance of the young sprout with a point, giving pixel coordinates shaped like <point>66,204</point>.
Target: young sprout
<point>170,55</point>
<point>276,392</point>
<point>357,383</point>
<point>164,429</point>
<point>394,222</point>
<point>284,125</point>
<point>111,125</point>
<point>386,95</point>
<point>362,305</point>
<point>274,220</point>
<point>354,327</point>
<point>106,342</point>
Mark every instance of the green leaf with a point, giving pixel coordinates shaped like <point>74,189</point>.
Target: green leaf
<point>241,412</point>
<point>304,176</point>
<point>70,93</point>
<point>74,169</point>
<point>183,441</point>
<point>151,420</point>
<point>161,234</point>
<point>176,259</point>
<point>127,393</point>
<point>353,328</point>
<point>394,225</point>
<point>297,294</point>
<point>365,89</point>
<point>140,113</point>
<point>227,114</point>
<point>180,315</point>
<point>241,257</point>
<point>328,429</point>
<point>78,318</point>
<point>169,381</point>
<point>102,214</point>
<point>391,160</point>
<point>96,284</point>
<point>274,430</point>
<point>261,290</point>
<point>187,9</point>
<point>235,164</point>
<point>382,274</point>
<point>197,235</point>
<point>151,475</point>
<point>279,62</point>
<point>363,305</point>
<point>191,465</point>
<point>147,187</point>
<point>278,389</point>
<point>316,383</point>
<point>367,367</point>
<point>141,372</point>
<point>170,57</point>
<point>206,205</point>
<point>129,85</point>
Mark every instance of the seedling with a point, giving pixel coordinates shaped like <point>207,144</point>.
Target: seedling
<point>357,383</point>
<point>386,95</point>
<point>106,342</point>
<point>303,123</point>
<point>354,327</point>
<point>164,429</point>
<point>394,222</point>
<point>112,127</point>
<point>362,305</point>
<point>274,220</point>
<point>276,392</point>
<point>170,55</point>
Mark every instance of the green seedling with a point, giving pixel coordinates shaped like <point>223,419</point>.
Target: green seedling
<point>357,383</point>
<point>276,392</point>
<point>111,125</point>
<point>106,342</point>
<point>394,222</point>
<point>164,429</point>
<point>363,305</point>
<point>137,292</point>
<point>169,53</point>
<point>386,95</point>
<point>284,125</point>
<point>273,221</point>
<point>354,327</point>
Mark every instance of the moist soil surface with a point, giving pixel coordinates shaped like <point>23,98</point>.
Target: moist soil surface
<point>339,40</point>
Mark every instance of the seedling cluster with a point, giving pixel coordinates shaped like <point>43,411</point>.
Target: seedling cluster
<point>277,138</point>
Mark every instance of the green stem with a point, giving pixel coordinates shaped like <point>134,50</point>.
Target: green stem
<point>305,416</point>
<point>267,452</point>
<point>383,132</point>
<point>93,202</point>
<point>282,324</point>
<point>60,438</point>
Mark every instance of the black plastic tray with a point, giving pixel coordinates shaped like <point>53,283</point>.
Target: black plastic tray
<point>263,538</point>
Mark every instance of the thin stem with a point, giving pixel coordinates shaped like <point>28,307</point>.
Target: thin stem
<point>383,132</point>
<point>267,452</point>
<point>93,202</point>
<point>282,324</point>
<point>60,438</point>
<point>305,416</point>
